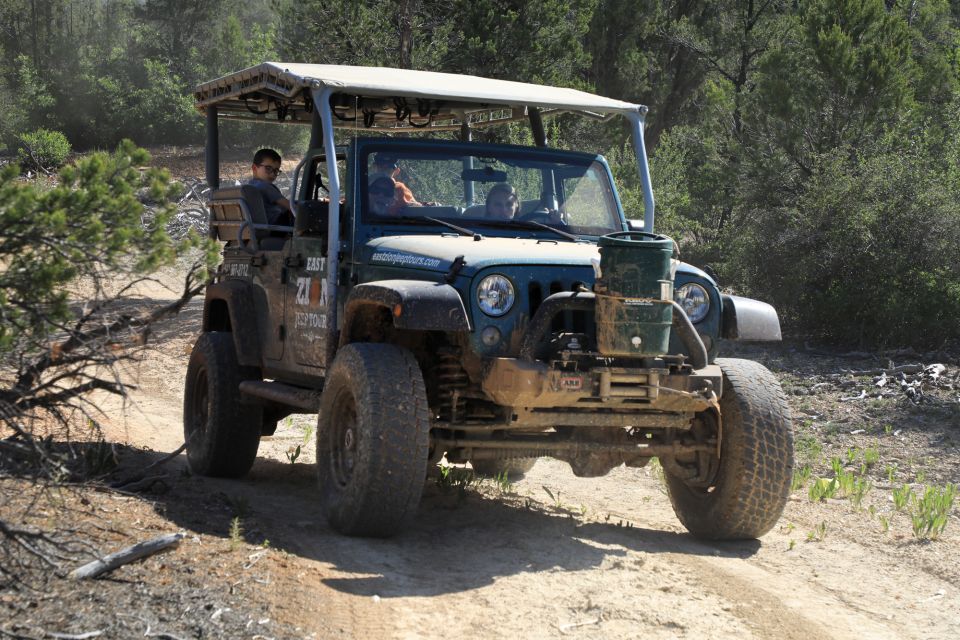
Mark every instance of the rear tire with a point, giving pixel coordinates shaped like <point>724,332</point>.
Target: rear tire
<point>372,439</point>
<point>752,483</point>
<point>515,468</point>
<point>222,433</point>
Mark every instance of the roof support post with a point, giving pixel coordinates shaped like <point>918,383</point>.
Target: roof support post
<point>536,123</point>
<point>321,106</point>
<point>213,148</point>
<point>466,135</point>
<point>636,124</point>
<point>316,129</point>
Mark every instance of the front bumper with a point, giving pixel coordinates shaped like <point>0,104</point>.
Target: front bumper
<point>551,394</point>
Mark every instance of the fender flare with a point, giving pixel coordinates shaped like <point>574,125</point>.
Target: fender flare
<point>238,296</point>
<point>748,319</point>
<point>413,304</point>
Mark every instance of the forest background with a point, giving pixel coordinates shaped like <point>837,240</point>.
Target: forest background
<point>806,151</point>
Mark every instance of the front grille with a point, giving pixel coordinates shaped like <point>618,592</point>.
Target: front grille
<point>567,321</point>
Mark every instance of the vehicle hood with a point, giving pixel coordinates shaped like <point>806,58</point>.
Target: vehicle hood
<point>438,252</point>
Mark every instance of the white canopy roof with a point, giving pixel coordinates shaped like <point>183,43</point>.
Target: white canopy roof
<point>281,91</point>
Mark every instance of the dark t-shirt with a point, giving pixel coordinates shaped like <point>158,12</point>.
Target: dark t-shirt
<point>276,214</point>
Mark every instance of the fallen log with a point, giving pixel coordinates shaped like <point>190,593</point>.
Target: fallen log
<point>125,556</point>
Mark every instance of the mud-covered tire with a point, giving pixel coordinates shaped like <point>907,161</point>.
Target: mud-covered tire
<point>222,433</point>
<point>516,468</point>
<point>752,484</point>
<point>372,439</point>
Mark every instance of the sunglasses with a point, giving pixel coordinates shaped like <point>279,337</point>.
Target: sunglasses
<point>271,169</point>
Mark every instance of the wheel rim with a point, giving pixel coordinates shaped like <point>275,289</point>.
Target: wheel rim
<point>200,407</point>
<point>343,439</point>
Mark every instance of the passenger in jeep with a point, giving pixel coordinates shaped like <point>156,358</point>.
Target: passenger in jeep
<point>386,165</point>
<point>265,169</point>
<point>502,202</point>
<point>383,196</point>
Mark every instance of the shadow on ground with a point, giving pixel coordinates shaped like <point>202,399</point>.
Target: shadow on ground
<point>471,539</point>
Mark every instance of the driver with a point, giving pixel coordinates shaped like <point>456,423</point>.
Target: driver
<point>502,202</point>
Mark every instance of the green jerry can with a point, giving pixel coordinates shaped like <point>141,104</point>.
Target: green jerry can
<point>634,292</point>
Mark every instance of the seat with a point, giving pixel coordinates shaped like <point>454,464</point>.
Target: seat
<point>238,218</point>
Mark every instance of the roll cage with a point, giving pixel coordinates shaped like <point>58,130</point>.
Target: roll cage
<point>329,97</point>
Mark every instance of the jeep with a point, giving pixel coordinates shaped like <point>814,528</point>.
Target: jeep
<point>433,329</point>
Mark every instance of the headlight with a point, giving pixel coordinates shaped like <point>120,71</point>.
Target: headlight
<point>694,299</point>
<point>495,295</point>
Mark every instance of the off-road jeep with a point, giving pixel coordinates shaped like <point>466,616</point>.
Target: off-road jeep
<point>434,329</point>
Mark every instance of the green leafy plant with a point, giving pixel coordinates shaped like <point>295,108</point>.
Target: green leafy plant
<point>556,498</point>
<point>871,456</point>
<point>457,479</point>
<point>823,489</point>
<point>884,523</point>
<point>819,533</point>
<point>236,533</point>
<point>861,486</point>
<point>891,472</point>
<point>901,497</point>
<point>931,510</point>
<point>293,453</point>
<point>43,150</point>
<point>800,478</point>
<point>808,448</point>
<point>502,481</point>
<point>836,464</point>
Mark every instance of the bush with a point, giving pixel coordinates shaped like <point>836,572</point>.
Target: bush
<point>865,253</point>
<point>43,150</point>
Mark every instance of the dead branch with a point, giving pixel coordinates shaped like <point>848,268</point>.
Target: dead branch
<point>139,484</point>
<point>129,483</point>
<point>75,636</point>
<point>905,369</point>
<point>126,556</point>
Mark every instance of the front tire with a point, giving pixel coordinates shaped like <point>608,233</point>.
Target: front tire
<point>752,482</point>
<point>222,433</point>
<point>372,439</point>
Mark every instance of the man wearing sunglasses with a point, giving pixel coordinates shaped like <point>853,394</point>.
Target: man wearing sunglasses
<point>383,196</point>
<point>265,169</point>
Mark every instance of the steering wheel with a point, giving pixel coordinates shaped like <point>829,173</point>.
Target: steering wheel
<point>543,215</point>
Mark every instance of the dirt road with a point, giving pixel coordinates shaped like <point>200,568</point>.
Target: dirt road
<point>550,556</point>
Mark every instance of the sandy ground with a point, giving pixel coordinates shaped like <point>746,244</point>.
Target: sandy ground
<point>552,555</point>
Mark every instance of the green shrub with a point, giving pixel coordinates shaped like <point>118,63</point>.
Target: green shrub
<point>43,150</point>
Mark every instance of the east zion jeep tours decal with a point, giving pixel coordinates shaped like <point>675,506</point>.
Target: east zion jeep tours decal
<point>405,259</point>
<point>316,263</point>
<point>311,292</point>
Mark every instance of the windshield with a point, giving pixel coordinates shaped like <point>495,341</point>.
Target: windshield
<point>506,189</point>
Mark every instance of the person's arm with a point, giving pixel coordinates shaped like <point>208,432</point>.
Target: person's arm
<point>276,198</point>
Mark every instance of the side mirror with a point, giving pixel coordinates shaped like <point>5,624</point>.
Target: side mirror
<point>635,225</point>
